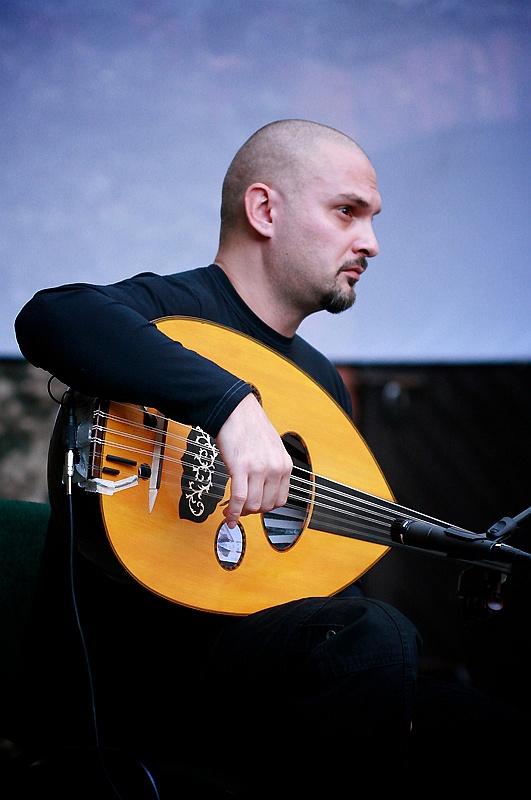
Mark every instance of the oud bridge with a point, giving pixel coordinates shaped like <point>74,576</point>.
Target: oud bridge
<point>116,452</point>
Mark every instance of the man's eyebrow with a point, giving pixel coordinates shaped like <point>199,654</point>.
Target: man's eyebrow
<point>356,200</point>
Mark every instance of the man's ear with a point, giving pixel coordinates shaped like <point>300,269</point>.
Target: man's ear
<point>259,202</point>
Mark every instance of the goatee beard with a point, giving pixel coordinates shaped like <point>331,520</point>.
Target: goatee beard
<point>336,302</point>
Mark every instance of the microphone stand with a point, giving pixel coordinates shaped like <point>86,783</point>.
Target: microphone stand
<point>480,588</point>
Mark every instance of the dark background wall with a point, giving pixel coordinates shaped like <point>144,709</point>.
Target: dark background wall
<point>26,423</point>
<point>454,442</point>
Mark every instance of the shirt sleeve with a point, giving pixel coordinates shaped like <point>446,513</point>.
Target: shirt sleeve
<point>102,342</point>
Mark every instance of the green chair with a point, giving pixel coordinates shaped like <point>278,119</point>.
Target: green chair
<point>23,527</point>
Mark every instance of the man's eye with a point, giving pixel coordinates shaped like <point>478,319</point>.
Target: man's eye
<point>346,210</point>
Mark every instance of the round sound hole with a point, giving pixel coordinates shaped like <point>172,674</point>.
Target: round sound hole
<point>284,525</point>
<point>230,545</point>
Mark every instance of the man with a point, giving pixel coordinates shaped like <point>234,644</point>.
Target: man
<point>306,695</point>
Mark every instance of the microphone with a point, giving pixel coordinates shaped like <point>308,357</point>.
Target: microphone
<point>454,542</point>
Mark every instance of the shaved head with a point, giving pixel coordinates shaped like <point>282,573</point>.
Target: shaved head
<point>278,155</point>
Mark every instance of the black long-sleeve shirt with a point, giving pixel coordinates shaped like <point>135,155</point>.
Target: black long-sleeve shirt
<point>101,341</point>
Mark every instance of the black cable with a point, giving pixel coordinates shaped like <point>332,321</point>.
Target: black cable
<point>70,457</point>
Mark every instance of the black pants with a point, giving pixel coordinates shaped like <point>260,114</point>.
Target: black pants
<point>313,697</point>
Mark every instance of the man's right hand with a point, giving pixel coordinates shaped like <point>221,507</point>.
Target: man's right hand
<point>256,460</point>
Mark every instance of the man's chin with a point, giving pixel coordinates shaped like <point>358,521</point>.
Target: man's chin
<point>336,303</point>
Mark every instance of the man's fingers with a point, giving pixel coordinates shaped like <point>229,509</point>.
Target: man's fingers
<point>256,460</point>
<point>238,495</point>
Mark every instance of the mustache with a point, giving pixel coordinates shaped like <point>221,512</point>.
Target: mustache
<point>355,262</point>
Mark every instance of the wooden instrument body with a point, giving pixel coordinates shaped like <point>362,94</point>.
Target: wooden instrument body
<point>177,557</point>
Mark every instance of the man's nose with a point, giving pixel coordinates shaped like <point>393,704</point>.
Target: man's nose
<point>366,243</point>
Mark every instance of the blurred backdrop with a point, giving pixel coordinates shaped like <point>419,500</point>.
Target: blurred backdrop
<point>120,119</point>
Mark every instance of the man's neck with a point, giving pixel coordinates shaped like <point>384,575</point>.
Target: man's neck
<point>257,293</point>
